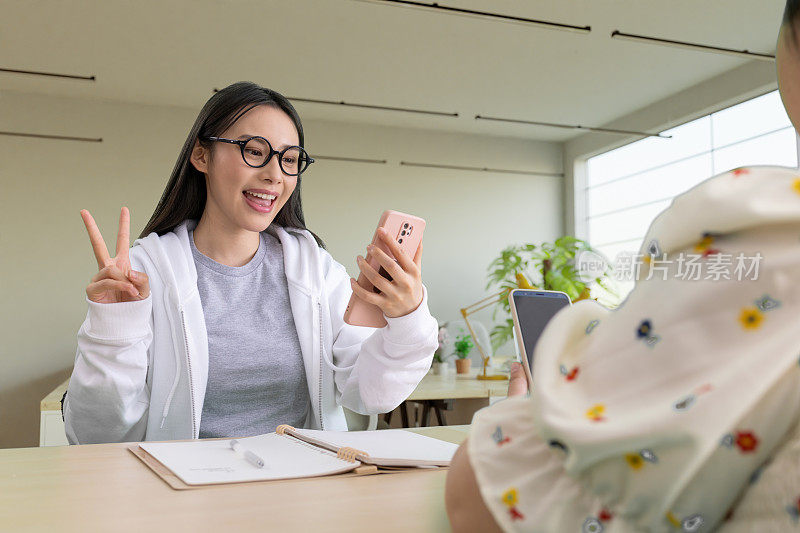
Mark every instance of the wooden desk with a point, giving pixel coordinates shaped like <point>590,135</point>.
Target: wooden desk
<point>104,487</point>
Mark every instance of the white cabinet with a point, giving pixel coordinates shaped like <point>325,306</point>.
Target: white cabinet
<point>51,426</point>
<point>51,429</point>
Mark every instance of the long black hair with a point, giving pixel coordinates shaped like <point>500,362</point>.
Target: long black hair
<point>185,194</point>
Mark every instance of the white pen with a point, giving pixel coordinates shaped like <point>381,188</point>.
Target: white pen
<point>251,458</point>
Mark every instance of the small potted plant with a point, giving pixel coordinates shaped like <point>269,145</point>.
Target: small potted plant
<point>463,347</point>
<point>548,266</point>
<point>439,358</point>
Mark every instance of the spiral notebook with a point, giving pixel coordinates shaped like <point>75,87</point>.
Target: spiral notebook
<point>293,453</point>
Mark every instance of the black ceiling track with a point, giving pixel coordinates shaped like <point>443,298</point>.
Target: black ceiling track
<point>483,169</point>
<point>349,159</point>
<point>48,74</point>
<point>435,6</point>
<point>369,106</point>
<point>573,127</point>
<point>692,46</point>
<point>56,137</point>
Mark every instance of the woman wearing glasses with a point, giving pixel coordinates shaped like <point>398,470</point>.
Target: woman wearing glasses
<point>225,318</point>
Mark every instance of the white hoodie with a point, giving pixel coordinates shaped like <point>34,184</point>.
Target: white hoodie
<point>141,367</point>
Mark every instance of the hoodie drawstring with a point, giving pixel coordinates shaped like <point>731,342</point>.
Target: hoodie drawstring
<point>177,377</point>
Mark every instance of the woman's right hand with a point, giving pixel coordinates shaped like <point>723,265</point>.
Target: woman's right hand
<point>115,282</point>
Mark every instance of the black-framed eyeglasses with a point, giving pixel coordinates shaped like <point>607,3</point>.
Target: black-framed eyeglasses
<point>257,152</point>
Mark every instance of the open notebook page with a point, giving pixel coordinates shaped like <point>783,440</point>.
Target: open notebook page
<point>387,447</point>
<point>203,462</point>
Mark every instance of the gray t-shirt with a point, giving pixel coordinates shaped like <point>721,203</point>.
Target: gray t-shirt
<point>256,378</point>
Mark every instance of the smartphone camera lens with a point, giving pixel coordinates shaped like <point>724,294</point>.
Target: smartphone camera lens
<point>405,225</point>
<point>403,232</point>
<point>400,241</point>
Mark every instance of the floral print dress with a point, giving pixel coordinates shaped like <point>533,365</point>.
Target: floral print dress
<point>679,410</point>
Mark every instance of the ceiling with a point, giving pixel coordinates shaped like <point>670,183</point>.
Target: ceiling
<point>174,52</point>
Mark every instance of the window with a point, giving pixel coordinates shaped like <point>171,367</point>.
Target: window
<point>628,187</point>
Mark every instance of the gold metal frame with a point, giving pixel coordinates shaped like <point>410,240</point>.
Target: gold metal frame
<point>472,309</point>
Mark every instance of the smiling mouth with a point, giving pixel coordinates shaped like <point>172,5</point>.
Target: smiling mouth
<point>260,202</point>
<point>261,196</point>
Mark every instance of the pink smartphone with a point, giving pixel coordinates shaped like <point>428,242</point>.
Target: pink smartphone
<point>407,231</point>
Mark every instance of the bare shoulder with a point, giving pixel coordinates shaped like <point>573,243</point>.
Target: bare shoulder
<point>463,501</point>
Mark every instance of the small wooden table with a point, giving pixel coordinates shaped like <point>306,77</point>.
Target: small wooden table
<point>437,392</point>
<point>455,386</point>
<point>104,487</point>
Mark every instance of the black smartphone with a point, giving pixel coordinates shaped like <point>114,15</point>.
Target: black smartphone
<point>531,310</point>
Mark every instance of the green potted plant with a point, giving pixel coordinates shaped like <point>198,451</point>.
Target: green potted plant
<point>439,358</point>
<point>548,266</point>
<point>463,347</point>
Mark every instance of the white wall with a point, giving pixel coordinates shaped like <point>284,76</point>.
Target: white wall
<point>46,260</point>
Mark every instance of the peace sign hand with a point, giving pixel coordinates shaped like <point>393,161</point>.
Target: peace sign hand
<point>115,282</point>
